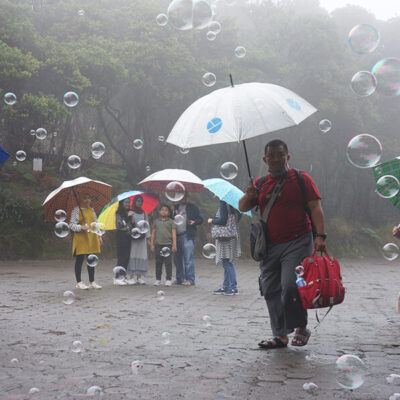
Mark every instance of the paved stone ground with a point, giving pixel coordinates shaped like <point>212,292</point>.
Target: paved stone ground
<point>118,325</point>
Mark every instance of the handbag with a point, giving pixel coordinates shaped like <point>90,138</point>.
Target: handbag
<point>227,231</point>
<point>258,229</point>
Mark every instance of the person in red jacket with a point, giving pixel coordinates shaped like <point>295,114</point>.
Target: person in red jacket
<point>290,240</point>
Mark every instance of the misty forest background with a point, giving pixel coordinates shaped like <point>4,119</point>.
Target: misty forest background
<point>135,78</point>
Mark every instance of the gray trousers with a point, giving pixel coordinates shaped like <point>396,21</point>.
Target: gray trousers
<point>278,284</point>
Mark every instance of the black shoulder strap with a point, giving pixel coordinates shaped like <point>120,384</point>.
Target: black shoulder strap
<point>260,182</point>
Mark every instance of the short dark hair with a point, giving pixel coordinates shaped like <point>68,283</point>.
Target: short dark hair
<point>276,143</point>
<point>162,205</point>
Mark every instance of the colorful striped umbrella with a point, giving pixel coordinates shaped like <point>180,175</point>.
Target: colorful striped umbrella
<point>66,196</point>
<point>107,215</point>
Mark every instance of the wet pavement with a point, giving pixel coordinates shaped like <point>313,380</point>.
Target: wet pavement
<point>121,324</point>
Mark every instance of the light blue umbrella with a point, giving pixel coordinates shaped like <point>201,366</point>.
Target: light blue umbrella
<point>225,191</point>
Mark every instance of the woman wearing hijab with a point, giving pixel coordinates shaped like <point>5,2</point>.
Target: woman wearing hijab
<point>140,236</point>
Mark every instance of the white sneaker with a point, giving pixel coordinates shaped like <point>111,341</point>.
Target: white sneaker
<point>157,283</point>
<point>94,285</point>
<point>131,281</point>
<point>119,282</point>
<point>81,285</point>
<point>141,281</point>
<point>168,283</point>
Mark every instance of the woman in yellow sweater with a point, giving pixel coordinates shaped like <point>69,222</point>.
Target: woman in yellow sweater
<point>84,242</point>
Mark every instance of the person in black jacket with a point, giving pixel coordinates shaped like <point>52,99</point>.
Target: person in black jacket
<point>186,231</point>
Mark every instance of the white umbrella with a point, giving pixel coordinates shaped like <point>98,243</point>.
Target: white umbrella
<point>239,112</point>
<point>160,179</point>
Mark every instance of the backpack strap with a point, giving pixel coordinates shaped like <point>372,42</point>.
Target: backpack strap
<point>261,182</point>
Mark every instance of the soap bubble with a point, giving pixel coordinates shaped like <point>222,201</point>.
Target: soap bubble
<point>135,233</point>
<point>160,295</point>
<point>175,191</point>
<point>240,52</point>
<point>214,27</point>
<point>325,125</point>
<point>71,99</point>
<point>390,251</point>
<point>209,251</point>
<point>32,132</point>
<point>387,74</point>
<point>41,133</point>
<point>228,170</point>
<point>166,338</point>
<point>161,138</point>
<point>54,134</point>
<point>136,366</point>
<point>61,229</point>
<point>92,260</point>
<point>119,273</point>
<point>207,321</point>
<point>34,390</point>
<point>98,149</point>
<point>179,219</point>
<point>310,387</point>
<point>95,391</point>
<point>363,39</point>
<point>202,14</point>
<point>180,14</point>
<point>209,79</point>
<point>97,228</point>
<point>81,13</point>
<point>60,215</point>
<point>14,163</point>
<point>69,297</point>
<point>20,155</point>
<point>364,151</point>
<point>10,99</point>
<point>300,270</point>
<point>387,186</point>
<point>162,19</point>
<point>74,161</point>
<point>395,396</point>
<point>363,83</point>
<point>165,252</point>
<point>147,168</point>
<point>77,346</point>
<point>350,371</point>
<point>211,36</point>
<point>143,226</point>
<point>14,361</point>
<point>393,378</point>
<point>138,144</point>
<point>183,150</point>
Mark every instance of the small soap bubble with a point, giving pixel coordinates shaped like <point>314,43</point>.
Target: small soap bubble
<point>364,151</point>
<point>42,362</point>
<point>162,19</point>
<point>61,229</point>
<point>81,13</point>
<point>20,155</point>
<point>32,132</point>
<point>209,251</point>
<point>310,387</point>
<point>55,134</point>
<point>363,39</point>
<point>363,83</point>
<point>183,150</point>
<point>136,366</point>
<point>14,163</point>
<point>161,138</point>
<point>175,191</point>
<point>95,391</point>
<point>68,297</point>
<point>92,260</point>
<point>209,79</point>
<point>165,252</point>
<point>300,270</point>
<point>390,251</point>
<point>98,149</point>
<point>350,371</point>
<point>387,186</point>
<point>211,36</point>
<point>71,99</point>
<point>14,361</point>
<point>119,273</point>
<point>41,133</point>
<point>393,378</point>
<point>34,390</point>
<point>240,52</point>
<point>77,346</point>
<point>10,99</point>
<point>229,170</point>
<point>74,161</point>
<point>179,219</point>
<point>395,396</point>
<point>143,226</point>
<point>325,125</point>
<point>207,321</point>
<point>166,338</point>
<point>97,228</point>
<point>147,168</point>
<point>214,27</point>
<point>138,144</point>
<point>60,215</point>
<point>160,295</point>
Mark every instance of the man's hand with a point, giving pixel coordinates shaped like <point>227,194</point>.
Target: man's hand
<point>209,220</point>
<point>252,192</point>
<point>173,249</point>
<point>320,244</point>
<point>191,222</point>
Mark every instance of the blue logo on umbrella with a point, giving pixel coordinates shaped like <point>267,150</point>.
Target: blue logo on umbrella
<point>214,125</point>
<point>294,104</point>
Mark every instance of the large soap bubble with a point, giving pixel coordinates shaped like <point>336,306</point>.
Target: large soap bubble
<point>209,79</point>
<point>41,133</point>
<point>97,150</point>
<point>188,14</point>
<point>229,170</point>
<point>61,229</point>
<point>175,191</point>
<point>20,155</point>
<point>364,151</point>
<point>350,371</point>
<point>209,251</point>
<point>71,99</point>
<point>202,14</point>
<point>10,99</point>
<point>387,186</point>
<point>74,161</point>
<point>363,38</point>
<point>363,83</point>
<point>390,251</point>
<point>387,74</point>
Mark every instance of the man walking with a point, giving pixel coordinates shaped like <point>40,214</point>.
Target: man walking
<point>290,240</point>
<point>186,231</point>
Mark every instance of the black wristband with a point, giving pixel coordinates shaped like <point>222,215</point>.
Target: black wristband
<point>321,235</point>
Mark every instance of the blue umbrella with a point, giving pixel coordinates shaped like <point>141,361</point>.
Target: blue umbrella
<point>3,155</point>
<point>225,191</point>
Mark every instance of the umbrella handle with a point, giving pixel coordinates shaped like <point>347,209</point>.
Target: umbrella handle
<point>247,161</point>
<point>80,209</point>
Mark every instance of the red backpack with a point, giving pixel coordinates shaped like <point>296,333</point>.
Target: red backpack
<point>324,282</point>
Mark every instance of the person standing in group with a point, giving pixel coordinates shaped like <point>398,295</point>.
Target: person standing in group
<point>186,230</point>
<point>293,195</point>
<point>124,225</point>
<point>163,243</point>
<point>225,230</point>
<point>138,261</point>
<point>84,242</point>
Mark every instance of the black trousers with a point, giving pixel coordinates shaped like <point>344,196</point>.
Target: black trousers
<point>78,268</point>
<point>160,260</point>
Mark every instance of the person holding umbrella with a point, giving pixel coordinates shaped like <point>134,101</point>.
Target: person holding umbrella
<point>84,241</point>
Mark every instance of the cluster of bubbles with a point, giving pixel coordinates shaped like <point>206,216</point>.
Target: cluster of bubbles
<point>229,170</point>
<point>209,251</point>
<point>175,191</point>
<point>97,228</point>
<point>141,228</point>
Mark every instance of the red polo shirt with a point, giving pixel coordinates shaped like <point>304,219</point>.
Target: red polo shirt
<point>286,219</point>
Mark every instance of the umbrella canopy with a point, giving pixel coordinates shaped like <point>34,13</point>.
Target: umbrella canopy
<point>391,167</point>
<point>160,179</point>
<point>3,155</point>
<point>65,196</point>
<point>107,216</point>
<point>225,191</point>
<point>237,113</point>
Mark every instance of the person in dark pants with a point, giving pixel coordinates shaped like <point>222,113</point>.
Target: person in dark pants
<point>123,223</point>
<point>290,240</point>
<point>186,230</point>
<point>163,243</point>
